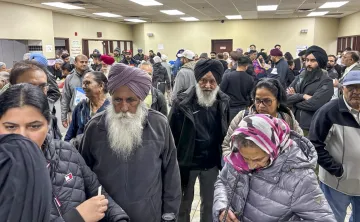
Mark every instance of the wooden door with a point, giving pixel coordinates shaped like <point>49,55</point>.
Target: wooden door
<point>221,45</point>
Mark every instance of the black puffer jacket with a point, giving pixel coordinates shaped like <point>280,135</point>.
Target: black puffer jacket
<point>73,183</point>
<point>160,75</point>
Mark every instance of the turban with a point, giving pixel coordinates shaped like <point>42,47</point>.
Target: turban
<point>163,57</point>
<point>136,79</point>
<point>204,66</point>
<point>59,61</point>
<point>276,52</point>
<point>39,58</point>
<point>319,54</point>
<point>108,60</point>
<point>25,187</point>
<point>157,59</point>
<point>204,56</point>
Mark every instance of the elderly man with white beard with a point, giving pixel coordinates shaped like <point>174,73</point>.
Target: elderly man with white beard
<point>199,120</point>
<point>132,150</point>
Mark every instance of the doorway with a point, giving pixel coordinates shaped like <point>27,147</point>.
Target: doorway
<point>61,44</point>
<point>221,45</point>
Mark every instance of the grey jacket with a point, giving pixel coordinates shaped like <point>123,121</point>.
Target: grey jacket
<point>146,184</point>
<point>72,81</point>
<point>289,119</point>
<point>286,191</point>
<point>185,78</point>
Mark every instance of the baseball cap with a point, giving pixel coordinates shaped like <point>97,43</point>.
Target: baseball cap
<point>187,54</point>
<point>352,78</point>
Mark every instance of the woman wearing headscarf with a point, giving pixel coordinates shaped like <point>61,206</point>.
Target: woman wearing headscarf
<point>269,176</point>
<point>25,188</point>
<point>269,98</point>
<point>24,110</point>
<point>160,79</point>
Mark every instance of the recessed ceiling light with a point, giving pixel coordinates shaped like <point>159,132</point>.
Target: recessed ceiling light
<point>267,7</point>
<point>107,14</point>
<point>146,2</point>
<point>172,12</point>
<point>333,4</point>
<point>317,13</point>
<point>189,19</point>
<point>62,5</point>
<point>233,17</point>
<point>134,20</point>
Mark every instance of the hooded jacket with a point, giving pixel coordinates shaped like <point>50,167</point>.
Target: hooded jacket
<point>185,78</point>
<point>160,75</point>
<point>73,183</point>
<point>285,191</point>
<point>72,81</point>
<point>289,119</point>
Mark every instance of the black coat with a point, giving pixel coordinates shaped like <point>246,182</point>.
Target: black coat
<point>55,72</point>
<point>73,183</point>
<point>320,88</point>
<point>160,75</point>
<point>139,57</point>
<point>53,93</point>
<point>158,101</point>
<point>182,124</point>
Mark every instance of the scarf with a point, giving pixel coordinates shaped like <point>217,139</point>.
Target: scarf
<point>270,134</point>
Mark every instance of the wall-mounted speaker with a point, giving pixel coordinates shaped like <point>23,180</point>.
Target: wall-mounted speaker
<point>150,34</point>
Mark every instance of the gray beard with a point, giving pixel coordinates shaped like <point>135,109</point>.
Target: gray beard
<point>206,98</point>
<point>125,130</point>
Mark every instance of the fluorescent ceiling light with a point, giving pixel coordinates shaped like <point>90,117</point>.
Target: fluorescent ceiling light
<point>189,19</point>
<point>134,20</point>
<point>317,13</point>
<point>62,5</point>
<point>267,7</point>
<point>146,2</point>
<point>333,4</point>
<point>107,14</point>
<point>172,12</point>
<point>233,17</point>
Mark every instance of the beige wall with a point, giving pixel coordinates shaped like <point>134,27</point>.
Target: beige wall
<point>24,22</point>
<point>139,37</point>
<point>197,36</point>
<point>349,25</point>
<point>326,33</point>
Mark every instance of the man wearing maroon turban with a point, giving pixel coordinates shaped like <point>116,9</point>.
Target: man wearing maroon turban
<point>132,151</point>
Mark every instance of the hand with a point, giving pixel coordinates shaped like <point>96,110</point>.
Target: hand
<point>336,83</point>
<point>290,91</point>
<point>93,209</point>
<point>230,65</point>
<point>307,97</point>
<point>65,123</point>
<point>230,217</point>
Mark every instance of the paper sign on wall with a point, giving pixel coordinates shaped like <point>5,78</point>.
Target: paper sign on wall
<point>75,48</point>
<point>49,48</point>
<point>160,46</point>
<point>300,48</point>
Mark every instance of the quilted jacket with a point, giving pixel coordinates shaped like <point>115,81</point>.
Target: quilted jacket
<point>285,191</point>
<point>73,183</point>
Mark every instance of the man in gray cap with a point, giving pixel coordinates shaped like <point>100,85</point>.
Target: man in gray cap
<point>55,69</point>
<point>4,81</point>
<point>335,133</point>
<point>132,151</point>
<point>185,77</point>
<point>2,66</point>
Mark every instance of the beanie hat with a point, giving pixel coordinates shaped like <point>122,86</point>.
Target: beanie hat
<point>276,52</point>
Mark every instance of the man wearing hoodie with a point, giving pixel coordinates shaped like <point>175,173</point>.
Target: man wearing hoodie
<point>185,78</point>
<point>117,55</point>
<point>140,56</point>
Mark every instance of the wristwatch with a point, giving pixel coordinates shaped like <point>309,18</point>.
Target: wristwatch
<point>168,217</point>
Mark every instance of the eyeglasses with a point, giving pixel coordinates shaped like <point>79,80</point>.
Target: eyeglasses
<point>265,102</point>
<point>44,86</point>
<point>352,88</point>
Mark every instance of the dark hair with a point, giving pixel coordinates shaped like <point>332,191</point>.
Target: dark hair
<point>263,54</point>
<point>261,50</point>
<point>243,61</point>
<point>24,94</point>
<point>275,87</point>
<point>303,52</point>
<point>252,52</point>
<point>290,62</point>
<point>220,56</point>
<point>95,56</point>
<point>288,56</point>
<point>151,51</point>
<point>246,53</point>
<point>64,56</point>
<point>67,66</point>
<point>22,67</point>
<point>354,56</point>
<point>252,45</point>
<point>213,52</point>
<point>101,79</point>
<point>235,55</point>
<point>333,57</point>
<point>348,49</point>
<point>277,45</point>
<point>158,54</point>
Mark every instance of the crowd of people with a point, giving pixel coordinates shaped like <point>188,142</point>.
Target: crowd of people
<point>268,137</point>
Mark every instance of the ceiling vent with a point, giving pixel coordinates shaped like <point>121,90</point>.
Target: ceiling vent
<point>306,10</point>
<point>76,2</point>
<point>334,14</point>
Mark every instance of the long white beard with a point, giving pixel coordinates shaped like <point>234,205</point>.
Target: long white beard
<point>125,129</point>
<point>206,98</point>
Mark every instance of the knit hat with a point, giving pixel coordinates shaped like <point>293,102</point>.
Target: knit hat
<point>117,50</point>
<point>39,58</point>
<point>319,54</point>
<point>2,64</point>
<point>204,56</point>
<point>164,57</point>
<point>108,60</point>
<point>140,50</point>
<point>204,66</point>
<point>59,61</point>
<point>157,59</point>
<point>136,79</point>
<point>276,52</point>
<point>240,50</point>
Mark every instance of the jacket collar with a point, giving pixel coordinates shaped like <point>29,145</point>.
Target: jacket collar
<point>342,106</point>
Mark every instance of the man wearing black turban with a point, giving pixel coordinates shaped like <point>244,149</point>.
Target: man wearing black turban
<point>25,188</point>
<point>311,89</point>
<point>199,120</point>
